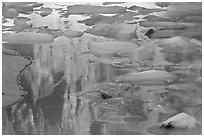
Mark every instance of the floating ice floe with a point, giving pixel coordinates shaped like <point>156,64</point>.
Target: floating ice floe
<point>112,46</point>
<point>45,11</point>
<point>198,81</point>
<point>159,58</point>
<point>156,18</point>
<point>9,13</point>
<point>17,27</point>
<point>89,9</point>
<point>195,65</point>
<point>166,24</point>
<point>119,18</point>
<point>22,7</point>
<point>163,4</point>
<point>143,10</point>
<point>72,33</point>
<point>118,31</point>
<point>184,8</point>
<point>8,51</point>
<point>4,20</point>
<point>147,76</point>
<point>109,3</point>
<point>183,87</point>
<point>142,53</point>
<point>194,32</point>
<point>27,37</point>
<point>21,20</point>
<point>108,60</point>
<point>179,41</point>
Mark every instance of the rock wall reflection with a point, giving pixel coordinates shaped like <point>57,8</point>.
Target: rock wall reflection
<point>53,79</point>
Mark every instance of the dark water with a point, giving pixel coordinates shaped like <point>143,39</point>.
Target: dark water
<point>71,89</point>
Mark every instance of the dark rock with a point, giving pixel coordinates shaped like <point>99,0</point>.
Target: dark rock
<point>149,33</point>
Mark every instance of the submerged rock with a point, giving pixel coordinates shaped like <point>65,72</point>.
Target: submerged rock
<point>118,31</point>
<point>157,130</point>
<point>181,120</point>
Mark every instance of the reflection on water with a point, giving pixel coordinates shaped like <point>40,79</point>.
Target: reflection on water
<point>57,73</point>
<point>52,106</point>
<point>71,90</point>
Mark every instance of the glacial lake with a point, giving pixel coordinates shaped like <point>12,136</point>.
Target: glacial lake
<point>108,68</point>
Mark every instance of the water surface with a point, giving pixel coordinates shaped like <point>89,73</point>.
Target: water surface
<point>72,86</point>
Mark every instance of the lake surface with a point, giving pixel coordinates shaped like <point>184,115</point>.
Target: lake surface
<point>101,68</point>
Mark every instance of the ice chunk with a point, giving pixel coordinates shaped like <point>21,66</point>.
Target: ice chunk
<point>27,38</point>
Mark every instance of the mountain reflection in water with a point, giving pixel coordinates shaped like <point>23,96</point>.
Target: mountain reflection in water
<point>73,88</point>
